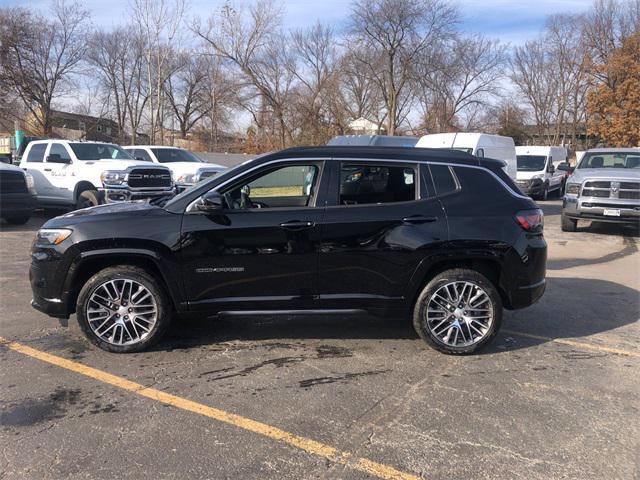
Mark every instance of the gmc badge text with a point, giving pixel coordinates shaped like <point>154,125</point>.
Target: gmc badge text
<point>439,234</point>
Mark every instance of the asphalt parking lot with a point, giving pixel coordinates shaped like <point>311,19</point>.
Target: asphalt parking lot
<point>555,396</point>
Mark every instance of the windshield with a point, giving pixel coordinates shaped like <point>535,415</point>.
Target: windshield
<point>463,149</point>
<point>169,155</point>
<point>531,163</point>
<point>610,160</point>
<point>99,151</point>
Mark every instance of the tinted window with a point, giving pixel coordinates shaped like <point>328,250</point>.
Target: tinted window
<point>291,186</point>
<point>140,154</point>
<point>36,152</point>
<point>369,183</point>
<point>531,163</point>
<point>98,151</point>
<point>443,179</point>
<point>168,155</point>
<point>58,149</point>
<point>502,175</point>
<point>610,160</point>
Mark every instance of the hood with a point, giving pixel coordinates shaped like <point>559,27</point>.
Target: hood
<point>529,175</point>
<point>582,174</point>
<point>114,164</point>
<point>102,212</point>
<point>182,168</point>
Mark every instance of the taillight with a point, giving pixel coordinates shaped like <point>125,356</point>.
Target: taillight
<point>530,220</point>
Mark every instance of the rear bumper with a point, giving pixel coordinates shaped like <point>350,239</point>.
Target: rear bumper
<point>523,276</point>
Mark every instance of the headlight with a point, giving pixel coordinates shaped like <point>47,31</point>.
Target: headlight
<point>187,178</point>
<point>113,177</point>
<point>572,189</point>
<point>31,184</point>
<point>52,236</point>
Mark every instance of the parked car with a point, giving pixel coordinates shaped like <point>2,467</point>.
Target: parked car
<point>445,235</point>
<point>84,174</point>
<point>478,144</point>
<point>605,187</point>
<point>187,168</point>
<point>17,194</point>
<point>537,172</point>
<point>373,141</point>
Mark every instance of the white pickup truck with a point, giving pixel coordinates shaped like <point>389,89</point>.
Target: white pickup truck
<point>83,174</point>
<point>187,168</point>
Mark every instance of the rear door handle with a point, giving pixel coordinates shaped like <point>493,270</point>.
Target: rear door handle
<point>47,169</point>
<point>419,219</point>
<point>297,225</point>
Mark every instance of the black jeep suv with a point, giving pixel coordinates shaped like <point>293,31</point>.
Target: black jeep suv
<point>439,233</point>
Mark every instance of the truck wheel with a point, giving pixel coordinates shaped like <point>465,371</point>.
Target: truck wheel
<point>568,224</point>
<point>545,192</point>
<point>458,312</point>
<point>17,219</point>
<point>123,309</point>
<point>87,198</point>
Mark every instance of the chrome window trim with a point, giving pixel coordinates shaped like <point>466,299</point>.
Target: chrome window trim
<point>191,207</point>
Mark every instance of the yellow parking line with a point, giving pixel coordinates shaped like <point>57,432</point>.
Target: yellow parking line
<point>310,446</point>
<point>573,343</point>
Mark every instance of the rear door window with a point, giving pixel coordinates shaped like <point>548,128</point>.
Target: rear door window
<point>444,179</point>
<point>367,183</point>
<point>36,152</point>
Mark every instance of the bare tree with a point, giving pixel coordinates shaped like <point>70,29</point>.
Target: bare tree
<point>160,22</point>
<point>40,54</point>
<point>251,40</point>
<point>458,80</point>
<point>187,91</point>
<point>398,32</point>
<point>118,58</point>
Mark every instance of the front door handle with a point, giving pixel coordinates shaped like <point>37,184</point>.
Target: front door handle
<point>47,169</point>
<point>297,225</point>
<point>419,219</point>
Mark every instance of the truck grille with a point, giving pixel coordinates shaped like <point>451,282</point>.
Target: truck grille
<point>613,189</point>
<point>149,178</point>
<point>12,182</point>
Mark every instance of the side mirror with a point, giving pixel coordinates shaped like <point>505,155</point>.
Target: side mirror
<point>552,169</point>
<point>55,158</point>
<point>210,202</point>
<point>480,152</point>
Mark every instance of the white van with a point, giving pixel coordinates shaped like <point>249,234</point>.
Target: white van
<point>478,144</point>
<point>537,170</point>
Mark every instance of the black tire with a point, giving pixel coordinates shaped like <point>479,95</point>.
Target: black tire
<point>88,198</point>
<point>568,224</point>
<point>561,189</point>
<point>545,193</point>
<point>17,219</point>
<point>459,274</point>
<point>164,309</point>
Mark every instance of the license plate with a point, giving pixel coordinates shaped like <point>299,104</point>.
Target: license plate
<point>612,212</point>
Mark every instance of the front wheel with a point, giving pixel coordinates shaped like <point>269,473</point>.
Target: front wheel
<point>568,224</point>
<point>458,312</point>
<point>88,198</point>
<point>18,219</point>
<point>123,309</point>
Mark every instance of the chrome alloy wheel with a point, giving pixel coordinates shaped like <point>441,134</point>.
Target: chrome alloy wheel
<point>121,311</point>
<point>459,314</point>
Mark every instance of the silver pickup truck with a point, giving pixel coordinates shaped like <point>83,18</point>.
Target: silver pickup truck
<point>605,187</point>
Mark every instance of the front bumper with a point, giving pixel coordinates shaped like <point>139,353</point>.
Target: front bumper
<point>114,194</point>
<point>531,188</point>
<point>593,209</point>
<point>16,203</point>
<point>48,275</point>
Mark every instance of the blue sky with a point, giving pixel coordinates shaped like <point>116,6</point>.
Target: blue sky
<point>512,21</point>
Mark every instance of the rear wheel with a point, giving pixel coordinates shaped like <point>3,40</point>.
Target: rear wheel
<point>88,198</point>
<point>544,195</point>
<point>123,309</point>
<point>458,312</point>
<point>568,224</point>
<point>17,219</point>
